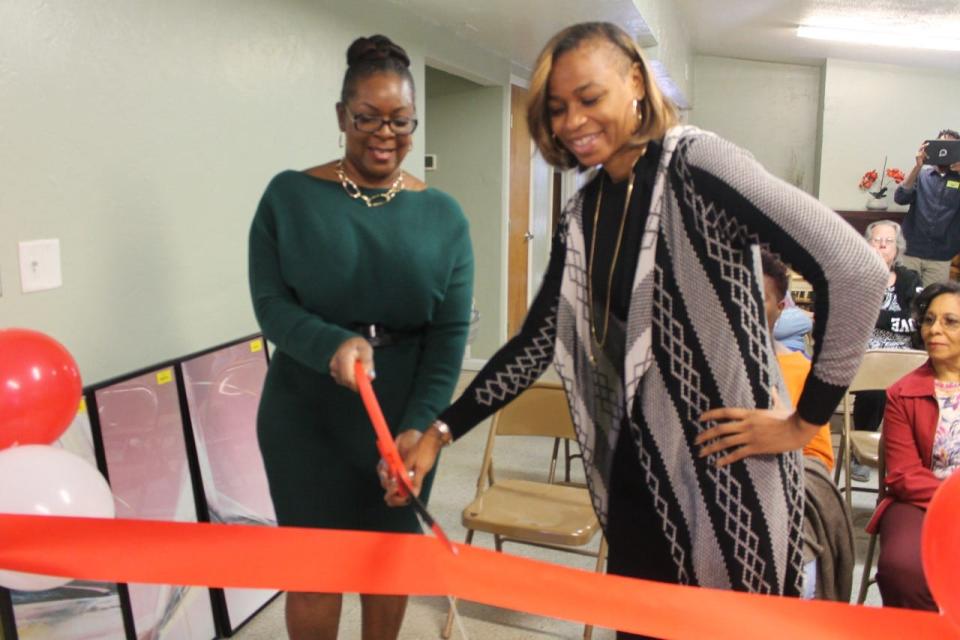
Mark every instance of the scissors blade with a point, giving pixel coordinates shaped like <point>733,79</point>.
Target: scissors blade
<point>390,454</point>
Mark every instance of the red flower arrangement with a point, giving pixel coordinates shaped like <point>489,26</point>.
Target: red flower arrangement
<point>870,177</point>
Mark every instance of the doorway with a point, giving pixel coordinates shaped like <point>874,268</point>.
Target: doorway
<point>464,135</point>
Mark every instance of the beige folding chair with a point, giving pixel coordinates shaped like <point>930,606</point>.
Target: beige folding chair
<point>880,369</point>
<point>547,513</point>
<point>866,447</point>
<point>568,458</point>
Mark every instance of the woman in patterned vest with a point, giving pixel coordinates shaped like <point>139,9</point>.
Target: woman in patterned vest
<point>652,312</point>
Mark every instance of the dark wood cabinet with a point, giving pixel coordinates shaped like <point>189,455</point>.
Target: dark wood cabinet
<point>860,219</point>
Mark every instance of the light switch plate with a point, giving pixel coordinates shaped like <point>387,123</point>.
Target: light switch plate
<point>40,265</point>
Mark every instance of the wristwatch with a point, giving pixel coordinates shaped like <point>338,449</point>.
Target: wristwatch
<point>443,430</point>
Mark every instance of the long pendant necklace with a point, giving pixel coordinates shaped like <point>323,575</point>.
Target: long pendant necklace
<point>600,338</point>
<point>376,200</point>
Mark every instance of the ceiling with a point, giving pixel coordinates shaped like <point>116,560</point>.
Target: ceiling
<point>751,29</point>
<point>766,29</point>
<point>518,29</point>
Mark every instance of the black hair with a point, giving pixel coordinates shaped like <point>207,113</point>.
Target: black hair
<point>577,34</point>
<point>922,302</point>
<point>925,298</point>
<point>773,268</point>
<point>369,56</point>
<point>949,132</point>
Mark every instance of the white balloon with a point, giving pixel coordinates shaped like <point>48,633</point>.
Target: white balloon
<point>42,480</point>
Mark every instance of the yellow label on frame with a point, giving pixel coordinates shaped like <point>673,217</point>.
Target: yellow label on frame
<point>256,345</point>
<point>165,376</point>
<point>83,405</point>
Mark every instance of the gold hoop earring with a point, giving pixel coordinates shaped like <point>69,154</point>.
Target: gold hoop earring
<point>340,140</point>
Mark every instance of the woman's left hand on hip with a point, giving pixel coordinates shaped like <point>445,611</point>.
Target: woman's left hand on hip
<point>739,433</point>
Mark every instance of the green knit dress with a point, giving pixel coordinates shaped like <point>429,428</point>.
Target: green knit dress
<point>321,262</point>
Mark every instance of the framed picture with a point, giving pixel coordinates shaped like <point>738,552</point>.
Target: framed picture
<point>222,389</point>
<point>176,442</point>
<point>139,421</point>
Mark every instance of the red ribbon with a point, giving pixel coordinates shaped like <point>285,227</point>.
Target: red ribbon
<point>295,559</point>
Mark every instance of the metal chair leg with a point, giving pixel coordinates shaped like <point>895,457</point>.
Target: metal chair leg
<point>838,468</point>
<point>601,559</point>
<point>865,579</point>
<point>845,446</point>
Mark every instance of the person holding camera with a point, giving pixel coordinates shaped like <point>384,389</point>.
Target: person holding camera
<point>931,226</point>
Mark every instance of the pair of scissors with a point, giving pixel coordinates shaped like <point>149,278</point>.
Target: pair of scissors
<point>391,456</point>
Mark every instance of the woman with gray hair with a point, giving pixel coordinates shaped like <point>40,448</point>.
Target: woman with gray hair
<point>894,328</point>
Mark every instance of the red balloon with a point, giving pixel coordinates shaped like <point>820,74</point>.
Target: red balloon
<point>941,547</point>
<point>39,388</point>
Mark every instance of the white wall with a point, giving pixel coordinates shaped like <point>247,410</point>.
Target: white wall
<point>142,134</point>
<point>666,20</point>
<point>769,109</point>
<point>871,111</point>
<point>464,128</point>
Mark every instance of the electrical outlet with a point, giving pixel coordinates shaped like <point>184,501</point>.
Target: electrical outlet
<point>40,265</point>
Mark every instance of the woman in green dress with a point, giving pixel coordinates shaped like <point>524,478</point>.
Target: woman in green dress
<point>355,260</point>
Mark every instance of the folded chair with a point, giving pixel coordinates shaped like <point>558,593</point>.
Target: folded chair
<point>545,513</point>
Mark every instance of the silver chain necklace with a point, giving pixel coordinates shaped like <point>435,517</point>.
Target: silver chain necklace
<point>377,199</point>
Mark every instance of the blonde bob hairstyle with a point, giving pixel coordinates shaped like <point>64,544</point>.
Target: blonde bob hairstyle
<point>657,111</point>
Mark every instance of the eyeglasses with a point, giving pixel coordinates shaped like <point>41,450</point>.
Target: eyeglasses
<point>402,126</point>
<point>948,323</point>
<point>882,241</point>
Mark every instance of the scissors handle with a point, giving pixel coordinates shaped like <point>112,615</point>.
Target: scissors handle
<point>390,454</point>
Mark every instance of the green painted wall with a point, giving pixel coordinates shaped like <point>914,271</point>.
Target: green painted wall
<point>465,130</point>
<point>142,136</point>
<point>769,109</point>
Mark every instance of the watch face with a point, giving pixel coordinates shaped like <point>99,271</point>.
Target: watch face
<point>444,429</point>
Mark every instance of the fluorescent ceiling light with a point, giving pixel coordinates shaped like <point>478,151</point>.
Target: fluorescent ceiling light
<point>905,40</point>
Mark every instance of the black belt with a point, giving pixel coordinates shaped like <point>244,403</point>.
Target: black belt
<point>379,336</point>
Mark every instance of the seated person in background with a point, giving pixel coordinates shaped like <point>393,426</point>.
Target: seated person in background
<point>894,328</point>
<point>828,530</point>
<point>932,225</point>
<point>921,435</point>
<point>793,325</point>
<point>794,365</point>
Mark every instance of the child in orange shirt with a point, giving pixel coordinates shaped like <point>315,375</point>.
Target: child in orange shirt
<point>794,365</point>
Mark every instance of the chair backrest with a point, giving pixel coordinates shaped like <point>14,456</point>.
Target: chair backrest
<point>882,367</point>
<point>541,410</point>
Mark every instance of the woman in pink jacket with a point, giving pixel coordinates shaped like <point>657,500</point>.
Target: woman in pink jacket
<point>921,431</point>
